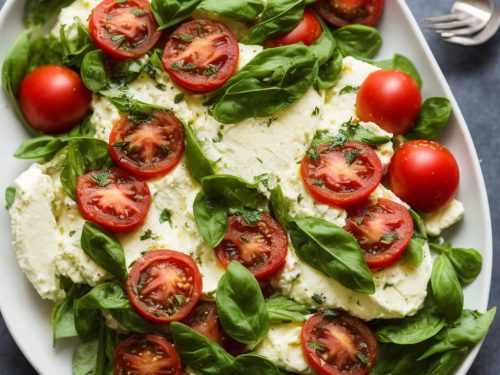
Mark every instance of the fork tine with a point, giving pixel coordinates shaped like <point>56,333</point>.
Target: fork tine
<point>468,22</point>
<point>443,18</point>
<point>463,31</point>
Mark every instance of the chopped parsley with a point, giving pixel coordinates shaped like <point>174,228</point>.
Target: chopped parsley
<point>318,298</point>
<point>121,144</point>
<point>259,160</point>
<point>352,155</point>
<point>138,12</point>
<point>183,37</point>
<point>316,346</point>
<point>251,217</point>
<point>363,358</point>
<point>72,233</point>
<point>161,86</point>
<point>10,196</point>
<point>179,98</point>
<point>119,39</point>
<point>179,298</point>
<point>313,154</point>
<point>315,112</point>
<point>210,71</point>
<point>349,90</point>
<point>271,120</point>
<point>149,235</point>
<point>165,216</point>
<point>299,198</point>
<point>189,67</point>
<point>101,179</point>
<point>219,137</point>
<point>331,313</point>
<point>388,285</point>
<point>317,182</point>
<point>389,238</point>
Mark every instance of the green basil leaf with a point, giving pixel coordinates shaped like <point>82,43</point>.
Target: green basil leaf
<point>170,12</point>
<point>403,64</point>
<point>253,364</point>
<point>447,362</point>
<point>87,322</point>
<point>38,12</point>
<point>414,253</point>
<point>210,218</point>
<point>325,46</point>
<point>197,162</point>
<point>279,17</point>
<point>446,287</point>
<point>241,306</point>
<point>93,71</point>
<point>399,360</point>
<point>433,117</point>
<point>75,49</point>
<point>362,134</point>
<point>128,105</point>
<point>331,250</point>
<point>43,147</point>
<point>85,357</point>
<point>418,224</point>
<point>83,130</point>
<point>131,321</point>
<point>285,310</point>
<point>199,353</point>
<point>270,82</point>
<point>10,196</point>
<point>467,263</point>
<point>104,249</point>
<point>109,295</point>
<point>360,41</point>
<point>330,72</point>
<point>234,9</point>
<point>63,319</point>
<point>234,192</point>
<point>278,207</point>
<point>467,331</point>
<point>43,51</point>
<point>101,351</point>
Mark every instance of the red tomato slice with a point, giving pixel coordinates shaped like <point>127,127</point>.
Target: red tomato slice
<point>148,149</point>
<point>124,29</point>
<point>383,231</point>
<point>146,355</point>
<point>425,175</point>
<point>307,31</point>
<point>261,247</point>
<point>341,175</point>
<point>201,55</point>
<point>344,12</point>
<point>113,199</point>
<point>164,286</point>
<point>336,343</point>
<point>204,319</point>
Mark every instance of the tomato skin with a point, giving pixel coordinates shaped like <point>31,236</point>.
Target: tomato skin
<point>147,272</point>
<point>335,188</point>
<point>119,32</point>
<point>425,175</point>
<point>147,355</point>
<point>345,12</point>
<point>262,248</point>
<point>147,158</point>
<point>368,224</point>
<point>133,194</point>
<point>201,63</point>
<point>341,335</point>
<point>391,99</point>
<point>53,99</point>
<point>307,31</point>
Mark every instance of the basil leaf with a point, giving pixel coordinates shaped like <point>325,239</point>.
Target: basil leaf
<point>467,331</point>
<point>324,47</point>
<point>44,51</point>
<point>235,9</point>
<point>75,49</point>
<point>270,82</point>
<point>199,353</point>
<point>403,64</point>
<point>234,192</point>
<point>446,363</point>
<point>85,357</point>
<point>446,287</point>
<point>399,360</point>
<point>131,321</point>
<point>104,249</point>
<point>414,253</point>
<point>285,310</point>
<point>330,72</point>
<point>253,364</point>
<point>279,17</point>
<point>418,224</point>
<point>278,207</point>
<point>10,196</point>
<point>198,164</point>
<point>93,71</point>
<point>241,306</point>
<point>43,147</point>
<point>83,130</point>
<point>362,134</point>
<point>170,12</point>
<point>128,105</point>
<point>211,219</point>
<point>38,12</point>
<point>331,250</point>
<point>63,319</point>
<point>467,264</point>
<point>433,117</point>
<point>359,41</point>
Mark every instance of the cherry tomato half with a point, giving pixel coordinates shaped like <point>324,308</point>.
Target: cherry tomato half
<point>164,286</point>
<point>342,175</point>
<point>201,55</point>
<point>424,174</point>
<point>124,29</point>
<point>150,148</point>
<point>113,199</point>
<point>204,319</point>
<point>383,231</point>
<point>307,31</point>
<point>53,99</point>
<point>336,343</point>
<point>147,355</point>
<point>261,247</point>
<point>391,99</point>
<point>344,12</point>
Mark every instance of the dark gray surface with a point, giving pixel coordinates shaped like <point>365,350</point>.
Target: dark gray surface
<point>474,76</point>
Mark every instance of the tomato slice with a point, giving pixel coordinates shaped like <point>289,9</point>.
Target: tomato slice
<point>383,231</point>
<point>113,199</point>
<point>345,12</point>
<point>336,343</point>
<point>146,355</point>
<point>148,149</point>
<point>164,286</point>
<point>204,319</point>
<point>341,175</point>
<point>261,247</point>
<point>201,55</point>
<point>307,31</point>
<point>124,29</point>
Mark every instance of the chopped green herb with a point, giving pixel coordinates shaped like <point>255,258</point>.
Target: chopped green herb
<point>363,358</point>
<point>315,112</point>
<point>259,160</point>
<point>179,298</point>
<point>161,86</point>
<point>299,198</point>
<point>121,2</point>
<point>119,39</point>
<point>138,12</point>
<point>271,120</point>
<point>210,71</point>
<point>219,137</point>
<point>165,149</point>
<point>10,196</point>
<point>352,155</point>
<point>139,118</point>
<point>121,144</point>
<point>316,346</point>
<point>313,154</point>
<point>388,285</point>
<point>331,313</point>
<point>149,235</point>
<point>389,238</point>
<point>101,179</point>
<point>189,67</point>
<point>251,217</point>
<point>317,182</point>
<point>183,37</point>
<point>72,233</point>
<point>179,98</point>
<point>318,298</point>
<point>165,216</point>
<point>349,90</point>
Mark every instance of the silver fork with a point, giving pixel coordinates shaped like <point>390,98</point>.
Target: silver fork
<point>467,17</point>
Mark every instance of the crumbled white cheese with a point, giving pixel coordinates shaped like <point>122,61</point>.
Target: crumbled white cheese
<point>443,218</point>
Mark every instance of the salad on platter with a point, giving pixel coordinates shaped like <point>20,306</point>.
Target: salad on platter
<point>236,187</point>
